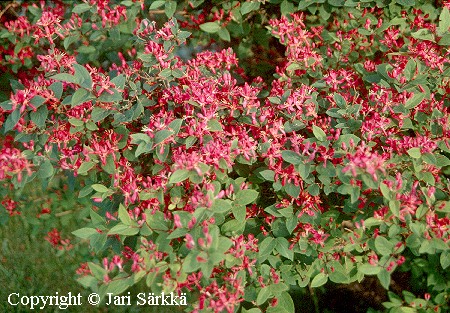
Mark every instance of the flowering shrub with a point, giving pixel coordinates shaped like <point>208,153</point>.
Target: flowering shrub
<point>232,188</point>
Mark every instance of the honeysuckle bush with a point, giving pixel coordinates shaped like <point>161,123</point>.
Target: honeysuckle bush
<point>207,180</point>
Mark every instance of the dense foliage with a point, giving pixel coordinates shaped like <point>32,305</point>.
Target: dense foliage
<point>235,151</point>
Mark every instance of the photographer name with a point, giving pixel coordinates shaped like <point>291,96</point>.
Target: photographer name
<point>143,298</point>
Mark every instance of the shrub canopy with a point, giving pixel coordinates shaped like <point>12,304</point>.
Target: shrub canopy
<point>234,151</point>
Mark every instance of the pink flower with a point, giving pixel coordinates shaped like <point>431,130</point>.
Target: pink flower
<point>190,243</point>
<point>365,160</point>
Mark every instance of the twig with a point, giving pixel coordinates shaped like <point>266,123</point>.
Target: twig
<point>9,6</point>
<point>63,213</point>
<point>314,298</point>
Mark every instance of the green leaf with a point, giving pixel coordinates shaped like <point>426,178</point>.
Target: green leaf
<point>410,69</point>
<point>87,281</point>
<point>383,246</point>
<point>346,138</point>
<point>319,133</point>
<point>215,126</point>
<point>85,232</point>
<point>239,212</point>
<point>83,76</point>
<point>414,153</point>
<point>291,67</point>
<point>210,27</point>
<point>427,247</point>
<point>339,275</point>
<point>263,295</point>
<point>119,81</point>
<point>444,20</point>
<point>304,169</point>
<point>233,227</point>
<point>372,221</point>
<point>108,97</point>
<point>66,78</point>
<point>119,285</point>
<point>265,248</point>
<point>445,259</point>
<point>170,8</point>
<point>415,100</point>
<point>11,120</point>
<point>165,152</point>
<point>291,157</point>
<point>368,269</point>
<point>70,40</point>
<point>405,309</point>
<point>385,191</point>
<point>340,101</point>
<point>6,105</point>
<point>37,101</point>
<point>286,8</point>
<point>124,217</point>
<point>431,159</point>
<point>207,268</point>
<point>248,7</point>
<point>157,4</point>
<point>221,206</point>
<point>98,114</point>
<point>445,40</point>
<point>175,125</point>
<point>96,219</point>
<point>90,125</point>
<point>285,303</point>
<point>142,148</point>
<point>85,167</point>
<point>353,191</point>
<point>122,229</point>
<point>98,271</point>
<point>165,73</point>
<point>275,100</point>
<point>406,3</point>
<point>40,116</point>
<point>81,8</point>
<point>162,135</point>
<point>439,244</point>
<point>99,188</point>
<point>268,175</point>
<point>157,221</point>
<point>319,280</point>
<point>282,246</point>
<point>177,73</point>
<point>224,34</point>
<point>75,122</point>
<point>394,205</point>
<point>190,141</point>
<point>246,196</point>
<point>190,263</point>
<point>85,191</point>
<point>313,190</point>
<point>46,169</point>
<point>292,190</point>
<point>443,207</point>
<point>385,278</point>
<point>336,3</point>
<point>177,233</point>
<point>291,223</point>
<point>423,34</point>
<point>80,96</point>
<point>421,211</point>
<point>183,35</point>
<point>110,166</point>
<point>179,176</point>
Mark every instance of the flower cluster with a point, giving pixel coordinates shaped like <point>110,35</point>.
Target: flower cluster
<point>203,178</point>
